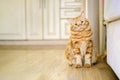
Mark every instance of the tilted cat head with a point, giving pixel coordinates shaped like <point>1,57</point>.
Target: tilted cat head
<point>78,23</point>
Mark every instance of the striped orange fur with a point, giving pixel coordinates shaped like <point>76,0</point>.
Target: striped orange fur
<point>80,46</point>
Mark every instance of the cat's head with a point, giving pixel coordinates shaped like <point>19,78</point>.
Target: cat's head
<point>78,23</point>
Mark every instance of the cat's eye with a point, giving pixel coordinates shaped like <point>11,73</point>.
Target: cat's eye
<point>82,21</point>
<point>76,24</point>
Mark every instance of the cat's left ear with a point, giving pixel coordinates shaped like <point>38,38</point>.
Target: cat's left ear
<point>82,15</point>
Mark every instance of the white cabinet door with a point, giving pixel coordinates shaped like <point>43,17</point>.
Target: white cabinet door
<point>69,9</point>
<point>42,19</point>
<point>113,46</point>
<point>12,19</point>
<point>34,19</point>
<point>71,3</point>
<point>51,19</point>
<point>65,29</point>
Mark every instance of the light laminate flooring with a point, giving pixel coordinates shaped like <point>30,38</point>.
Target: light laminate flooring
<point>46,63</point>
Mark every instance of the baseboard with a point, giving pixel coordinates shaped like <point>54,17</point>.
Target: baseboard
<point>35,42</point>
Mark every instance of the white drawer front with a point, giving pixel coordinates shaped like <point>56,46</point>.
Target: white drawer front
<point>65,29</point>
<point>71,3</point>
<point>70,13</point>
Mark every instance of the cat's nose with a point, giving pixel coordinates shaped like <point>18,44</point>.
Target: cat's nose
<point>79,24</point>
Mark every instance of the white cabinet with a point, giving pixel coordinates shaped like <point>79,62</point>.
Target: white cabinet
<point>37,19</point>
<point>65,29</point>
<point>71,3</point>
<point>47,19</point>
<point>51,28</point>
<point>69,9</point>
<point>12,19</point>
<point>34,18</point>
<point>42,19</point>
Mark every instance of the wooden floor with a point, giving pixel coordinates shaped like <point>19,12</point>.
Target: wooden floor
<point>46,63</point>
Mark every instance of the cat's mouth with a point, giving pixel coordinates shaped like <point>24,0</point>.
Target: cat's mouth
<point>79,29</point>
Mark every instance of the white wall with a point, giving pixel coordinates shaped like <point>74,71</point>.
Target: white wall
<point>93,16</point>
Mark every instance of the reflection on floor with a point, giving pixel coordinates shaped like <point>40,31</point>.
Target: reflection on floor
<point>46,63</point>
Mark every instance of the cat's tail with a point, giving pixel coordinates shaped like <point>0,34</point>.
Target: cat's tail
<point>102,57</point>
<point>96,57</point>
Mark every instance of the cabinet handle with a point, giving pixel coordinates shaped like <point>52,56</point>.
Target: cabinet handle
<point>77,0</point>
<point>40,3</point>
<point>44,3</point>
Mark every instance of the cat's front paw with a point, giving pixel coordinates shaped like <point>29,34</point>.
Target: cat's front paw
<point>87,65</point>
<point>78,66</point>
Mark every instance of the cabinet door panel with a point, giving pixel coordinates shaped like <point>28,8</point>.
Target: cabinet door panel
<point>69,9</point>
<point>34,19</point>
<point>71,3</point>
<point>12,19</point>
<point>70,13</point>
<point>65,29</point>
<point>51,19</point>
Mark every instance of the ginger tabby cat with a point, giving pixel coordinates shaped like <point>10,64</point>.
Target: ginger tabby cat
<point>79,51</point>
